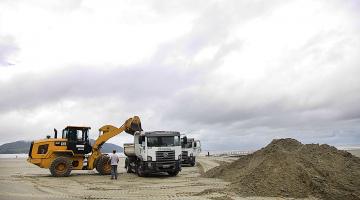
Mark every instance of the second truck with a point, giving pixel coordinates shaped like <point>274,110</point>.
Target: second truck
<point>190,149</point>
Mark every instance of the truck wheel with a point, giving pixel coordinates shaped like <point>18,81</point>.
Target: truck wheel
<point>128,169</point>
<point>103,165</point>
<point>174,173</point>
<point>140,172</point>
<point>60,167</point>
<point>127,166</point>
<point>193,162</point>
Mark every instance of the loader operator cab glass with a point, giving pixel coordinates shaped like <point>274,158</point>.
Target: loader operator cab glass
<point>75,134</point>
<point>163,141</point>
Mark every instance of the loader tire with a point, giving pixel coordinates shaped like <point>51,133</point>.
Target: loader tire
<point>61,167</point>
<point>95,163</point>
<point>103,165</point>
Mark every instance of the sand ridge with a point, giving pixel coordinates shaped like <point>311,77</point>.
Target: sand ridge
<point>290,169</point>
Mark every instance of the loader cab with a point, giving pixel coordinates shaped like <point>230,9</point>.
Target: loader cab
<point>77,139</point>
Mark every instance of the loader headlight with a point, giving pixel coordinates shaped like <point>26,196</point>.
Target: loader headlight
<point>149,158</point>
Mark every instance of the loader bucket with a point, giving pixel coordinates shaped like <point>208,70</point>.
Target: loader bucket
<point>133,125</point>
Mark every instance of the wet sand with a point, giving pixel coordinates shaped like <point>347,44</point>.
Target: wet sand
<point>22,180</point>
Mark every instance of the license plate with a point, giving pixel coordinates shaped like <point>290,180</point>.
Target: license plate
<point>166,166</point>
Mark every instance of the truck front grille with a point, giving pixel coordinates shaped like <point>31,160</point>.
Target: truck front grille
<point>165,156</point>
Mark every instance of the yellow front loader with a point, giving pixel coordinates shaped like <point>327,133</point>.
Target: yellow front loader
<point>72,150</point>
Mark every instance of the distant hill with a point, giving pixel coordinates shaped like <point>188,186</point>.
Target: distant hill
<point>15,147</point>
<point>24,146</point>
<point>109,147</point>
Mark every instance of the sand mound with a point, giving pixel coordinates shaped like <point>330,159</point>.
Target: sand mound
<point>288,168</point>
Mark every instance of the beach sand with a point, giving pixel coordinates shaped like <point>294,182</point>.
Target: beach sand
<point>22,180</point>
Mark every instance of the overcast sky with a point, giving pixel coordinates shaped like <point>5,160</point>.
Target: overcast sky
<point>234,73</point>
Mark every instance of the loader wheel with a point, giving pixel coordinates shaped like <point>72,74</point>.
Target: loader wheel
<point>95,163</point>
<point>103,165</point>
<point>60,167</point>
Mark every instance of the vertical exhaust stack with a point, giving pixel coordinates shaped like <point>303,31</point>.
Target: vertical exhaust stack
<point>55,133</point>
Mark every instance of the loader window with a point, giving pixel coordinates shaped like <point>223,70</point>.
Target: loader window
<point>43,149</point>
<point>64,134</point>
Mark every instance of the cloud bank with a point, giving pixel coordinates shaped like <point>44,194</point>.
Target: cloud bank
<point>234,74</point>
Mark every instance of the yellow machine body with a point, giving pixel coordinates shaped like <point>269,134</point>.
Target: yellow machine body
<point>61,155</point>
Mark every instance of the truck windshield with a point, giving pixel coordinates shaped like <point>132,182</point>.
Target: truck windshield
<point>187,145</point>
<point>163,141</point>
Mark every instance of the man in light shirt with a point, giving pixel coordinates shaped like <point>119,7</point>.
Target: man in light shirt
<point>114,159</point>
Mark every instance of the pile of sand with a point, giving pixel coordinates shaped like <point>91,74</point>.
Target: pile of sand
<point>288,168</point>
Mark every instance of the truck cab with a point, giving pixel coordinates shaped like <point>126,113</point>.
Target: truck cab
<point>190,149</point>
<point>153,152</point>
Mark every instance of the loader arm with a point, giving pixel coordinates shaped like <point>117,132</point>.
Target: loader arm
<point>108,131</point>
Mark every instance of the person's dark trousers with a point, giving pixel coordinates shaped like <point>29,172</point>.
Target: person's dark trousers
<point>114,171</point>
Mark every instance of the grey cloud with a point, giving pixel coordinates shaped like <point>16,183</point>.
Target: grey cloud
<point>7,48</point>
<point>134,84</point>
<point>321,108</point>
<point>212,27</point>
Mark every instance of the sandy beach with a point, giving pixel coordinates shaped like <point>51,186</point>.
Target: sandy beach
<point>21,180</point>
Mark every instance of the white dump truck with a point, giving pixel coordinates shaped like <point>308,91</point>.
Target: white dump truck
<point>153,152</point>
<point>190,149</point>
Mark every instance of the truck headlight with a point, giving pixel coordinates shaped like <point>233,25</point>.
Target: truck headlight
<point>191,155</point>
<point>149,158</point>
<point>179,157</point>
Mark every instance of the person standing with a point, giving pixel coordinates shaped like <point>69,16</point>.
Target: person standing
<point>114,164</point>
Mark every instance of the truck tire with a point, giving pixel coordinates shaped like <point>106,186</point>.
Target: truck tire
<point>174,173</point>
<point>60,167</point>
<point>193,162</point>
<point>127,166</point>
<point>139,171</point>
<point>103,165</point>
